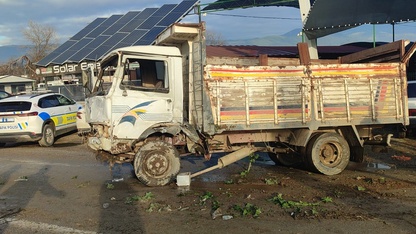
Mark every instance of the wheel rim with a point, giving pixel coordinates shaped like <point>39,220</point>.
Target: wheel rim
<point>155,163</point>
<point>330,154</point>
<point>49,135</point>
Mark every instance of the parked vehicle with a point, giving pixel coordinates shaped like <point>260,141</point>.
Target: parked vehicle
<point>166,101</point>
<point>4,94</point>
<point>36,117</point>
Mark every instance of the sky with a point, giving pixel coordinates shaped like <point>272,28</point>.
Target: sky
<point>69,17</point>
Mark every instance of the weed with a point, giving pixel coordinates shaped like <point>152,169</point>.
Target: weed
<point>154,206</point>
<point>215,204</point>
<point>298,206</point>
<point>148,196</point>
<point>382,180</point>
<point>271,181</point>
<point>205,197</point>
<point>230,181</point>
<point>360,188</point>
<point>326,199</point>
<point>253,158</point>
<point>248,209</point>
<point>110,186</point>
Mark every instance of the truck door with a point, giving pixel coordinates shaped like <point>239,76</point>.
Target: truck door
<point>146,98</point>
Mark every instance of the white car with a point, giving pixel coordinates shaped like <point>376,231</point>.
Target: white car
<point>411,92</point>
<point>36,117</point>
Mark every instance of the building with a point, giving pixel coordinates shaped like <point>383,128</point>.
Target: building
<point>16,84</point>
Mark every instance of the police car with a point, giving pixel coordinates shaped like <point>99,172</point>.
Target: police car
<point>36,117</point>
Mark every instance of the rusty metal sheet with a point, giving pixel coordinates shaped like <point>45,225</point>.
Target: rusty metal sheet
<point>392,52</point>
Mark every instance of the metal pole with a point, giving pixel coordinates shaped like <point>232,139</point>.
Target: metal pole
<point>374,35</point>
<point>393,32</point>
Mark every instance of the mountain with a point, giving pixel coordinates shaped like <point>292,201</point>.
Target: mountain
<point>288,39</point>
<point>11,52</point>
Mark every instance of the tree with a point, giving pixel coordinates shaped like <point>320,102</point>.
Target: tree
<point>214,38</point>
<point>43,40</point>
<point>17,67</point>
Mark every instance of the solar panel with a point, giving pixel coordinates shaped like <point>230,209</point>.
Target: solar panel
<point>105,34</point>
<point>78,56</point>
<point>74,48</point>
<point>185,6</point>
<point>103,26</point>
<point>164,10</point>
<point>121,22</point>
<point>98,52</point>
<point>150,36</point>
<point>134,36</point>
<point>138,20</point>
<point>49,58</point>
<point>170,19</point>
<point>88,29</point>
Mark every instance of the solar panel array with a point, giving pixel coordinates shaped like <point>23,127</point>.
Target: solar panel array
<point>106,34</point>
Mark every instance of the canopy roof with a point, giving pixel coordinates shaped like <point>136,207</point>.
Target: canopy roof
<point>330,16</point>
<point>233,4</point>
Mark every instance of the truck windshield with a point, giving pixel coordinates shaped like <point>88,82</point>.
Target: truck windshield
<point>146,75</point>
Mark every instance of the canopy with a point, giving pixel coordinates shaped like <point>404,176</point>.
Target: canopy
<point>330,16</point>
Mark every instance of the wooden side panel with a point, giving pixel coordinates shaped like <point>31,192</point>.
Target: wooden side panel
<point>258,95</point>
<point>364,93</point>
<point>268,97</point>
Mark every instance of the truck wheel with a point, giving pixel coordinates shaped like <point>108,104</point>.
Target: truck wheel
<point>328,153</point>
<point>156,163</point>
<point>48,136</point>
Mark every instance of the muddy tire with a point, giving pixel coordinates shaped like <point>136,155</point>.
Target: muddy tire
<point>157,163</point>
<point>48,136</point>
<point>327,153</point>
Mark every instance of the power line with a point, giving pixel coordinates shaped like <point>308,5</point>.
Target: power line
<point>256,17</point>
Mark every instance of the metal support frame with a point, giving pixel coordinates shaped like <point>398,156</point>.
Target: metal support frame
<point>305,7</point>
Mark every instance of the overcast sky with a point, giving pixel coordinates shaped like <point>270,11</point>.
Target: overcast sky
<point>69,17</point>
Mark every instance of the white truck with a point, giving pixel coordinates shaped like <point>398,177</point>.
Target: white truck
<point>168,101</point>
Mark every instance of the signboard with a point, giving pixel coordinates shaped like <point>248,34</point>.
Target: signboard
<point>67,68</point>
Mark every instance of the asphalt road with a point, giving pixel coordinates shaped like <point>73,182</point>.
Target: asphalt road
<point>65,189</point>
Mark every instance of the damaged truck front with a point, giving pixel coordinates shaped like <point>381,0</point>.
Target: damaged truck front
<point>168,101</point>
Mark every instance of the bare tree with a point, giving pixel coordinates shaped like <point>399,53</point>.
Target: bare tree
<point>214,38</point>
<point>43,40</point>
<point>17,67</point>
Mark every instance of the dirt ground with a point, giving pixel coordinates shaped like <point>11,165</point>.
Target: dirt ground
<point>64,189</point>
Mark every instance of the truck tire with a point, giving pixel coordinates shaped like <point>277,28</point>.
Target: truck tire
<point>327,153</point>
<point>48,136</point>
<point>156,163</point>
